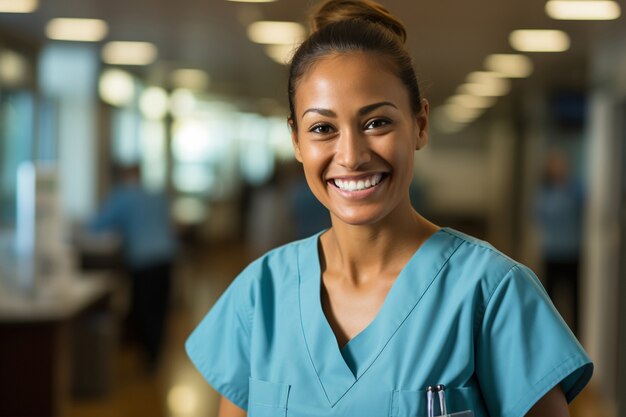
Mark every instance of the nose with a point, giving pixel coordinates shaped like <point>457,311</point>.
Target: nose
<point>352,149</point>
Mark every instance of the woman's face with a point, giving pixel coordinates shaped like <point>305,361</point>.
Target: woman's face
<point>356,136</point>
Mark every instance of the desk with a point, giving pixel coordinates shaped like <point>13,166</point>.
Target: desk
<point>35,346</point>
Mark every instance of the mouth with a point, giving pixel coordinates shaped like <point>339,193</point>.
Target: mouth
<point>358,184</point>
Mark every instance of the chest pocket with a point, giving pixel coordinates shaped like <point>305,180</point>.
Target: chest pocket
<point>267,399</point>
<point>413,403</point>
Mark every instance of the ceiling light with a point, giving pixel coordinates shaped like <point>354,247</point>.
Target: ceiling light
<point>461,114</point>
<point>18,6</point>
<point>129,53</point>
<point>280,33</point>
<point>82,30</point>
<point>281,54</point>
<point>192,79</point>
<point>583,9</point>
<point>153,103</point>
<point>484,90</point>
<point>182,103</point>
<point>486,83</point>
<point>472,102</point>
<point>252,1</point>
<point>13,68</point>
<point>510,65</point>
<point>537,40</point>
<point>116,87</point>
<point>443,123</point>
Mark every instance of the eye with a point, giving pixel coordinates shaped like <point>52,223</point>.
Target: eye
<point>377,123</point>
<point>322,129</point>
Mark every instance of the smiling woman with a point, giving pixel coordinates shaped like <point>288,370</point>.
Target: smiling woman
<point>343,323</point>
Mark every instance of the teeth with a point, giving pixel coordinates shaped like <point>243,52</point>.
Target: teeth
<point>358,185</point>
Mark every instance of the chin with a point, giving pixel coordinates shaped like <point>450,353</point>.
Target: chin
<point>357,219</point>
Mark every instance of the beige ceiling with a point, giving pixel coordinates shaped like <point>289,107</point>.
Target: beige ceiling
<point>447,38</point>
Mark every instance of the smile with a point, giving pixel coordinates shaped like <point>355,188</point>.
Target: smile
<point>358,185</point>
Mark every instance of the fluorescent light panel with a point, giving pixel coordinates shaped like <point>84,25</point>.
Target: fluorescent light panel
<point>510,65</point>
<point>583,9</point>
<point>80,30</point>
<point>281,54</point>
<point>277,33</point>
<point>472,102</point>
<point>538,40</point>
<point>129,53</point>
<point>18,6</point>
<point>189,78</point>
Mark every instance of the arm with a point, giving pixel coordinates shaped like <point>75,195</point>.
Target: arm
<point>228,409</point>
<point>553,404</point>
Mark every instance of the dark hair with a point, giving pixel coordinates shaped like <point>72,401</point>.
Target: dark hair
<point>341,26</point>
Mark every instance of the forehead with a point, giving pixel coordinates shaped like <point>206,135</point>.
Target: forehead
<point>346,79</point>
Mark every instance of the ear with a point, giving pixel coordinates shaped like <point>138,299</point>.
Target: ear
<point>294,140</point>
<point>422,125</point>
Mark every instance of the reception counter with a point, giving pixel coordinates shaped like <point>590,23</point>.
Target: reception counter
<point>35,342</point>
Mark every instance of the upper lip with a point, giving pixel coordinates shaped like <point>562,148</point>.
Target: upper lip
<point>354,177</point>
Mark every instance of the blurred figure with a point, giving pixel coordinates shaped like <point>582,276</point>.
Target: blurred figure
<point>142,220</point>
<point>308,214</point>
<point>558,210</point>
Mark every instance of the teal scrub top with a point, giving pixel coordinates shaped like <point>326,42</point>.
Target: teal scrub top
<point>460,314</point>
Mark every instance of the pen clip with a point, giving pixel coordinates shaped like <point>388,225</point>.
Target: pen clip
<point>442,399</point>
<point>430,401</point>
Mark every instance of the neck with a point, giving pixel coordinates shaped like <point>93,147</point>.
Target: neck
<point>361,253</point>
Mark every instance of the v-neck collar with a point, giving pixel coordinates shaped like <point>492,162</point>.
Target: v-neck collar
<point>339,369</point>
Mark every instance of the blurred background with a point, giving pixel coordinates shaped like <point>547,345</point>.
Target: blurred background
<point>150,137</point>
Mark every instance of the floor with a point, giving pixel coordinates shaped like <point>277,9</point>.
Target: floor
<point>176,389</point>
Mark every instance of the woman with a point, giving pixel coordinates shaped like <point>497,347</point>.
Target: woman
<point>362,318</point>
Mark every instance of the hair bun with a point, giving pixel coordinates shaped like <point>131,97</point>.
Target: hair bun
<point>334,11</point>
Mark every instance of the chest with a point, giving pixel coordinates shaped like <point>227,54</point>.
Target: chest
<point>350,308</point>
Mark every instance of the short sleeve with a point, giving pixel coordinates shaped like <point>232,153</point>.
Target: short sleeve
<point>524,348</point>
<point>220,346</point>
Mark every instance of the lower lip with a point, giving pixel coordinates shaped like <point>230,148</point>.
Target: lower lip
<point>360,194</point>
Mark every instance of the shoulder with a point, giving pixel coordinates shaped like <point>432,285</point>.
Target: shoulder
<point>480,265</point>
<point>479,254</point>
<point>277,268</point>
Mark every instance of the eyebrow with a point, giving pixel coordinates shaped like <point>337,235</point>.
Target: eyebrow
<point>362,111</point>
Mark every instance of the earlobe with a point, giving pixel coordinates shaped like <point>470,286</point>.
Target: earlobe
<point>422,125</point>
<point>295,142</point>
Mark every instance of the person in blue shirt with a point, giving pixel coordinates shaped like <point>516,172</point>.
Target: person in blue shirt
<point>362,318</point>
<point>141,218</point>
<point>559,214</point>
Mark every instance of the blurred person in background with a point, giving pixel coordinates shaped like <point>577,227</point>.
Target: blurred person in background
<point>141,218</point>
<point>359,319</point>
<point>558,210</point>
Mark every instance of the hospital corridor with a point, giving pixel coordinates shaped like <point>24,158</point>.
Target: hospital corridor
<point>153,154</point>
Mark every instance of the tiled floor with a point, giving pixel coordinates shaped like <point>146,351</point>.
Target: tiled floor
<point>177,389</point>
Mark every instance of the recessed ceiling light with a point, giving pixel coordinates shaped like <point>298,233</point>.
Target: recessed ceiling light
<point>539,40</point>
<point>129,53</point>
<point>583,9</point>
<point>510,65</point>
<point>189,78</point>
<point>443,123</point>
<point>486,83</point>
<point>483,90</point>
<point>18,6</point>
<point>281,54</point>
<point>472,102</point>
<point>81,30</point>
<point>13,68</point>
<point>116,87</point>
<point>278,33</point>
<point>153,103</point>
<point>461,114</point>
